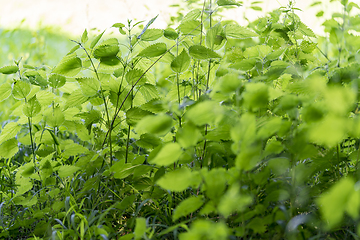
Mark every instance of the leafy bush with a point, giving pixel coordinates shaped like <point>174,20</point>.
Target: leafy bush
<point>209,130</point>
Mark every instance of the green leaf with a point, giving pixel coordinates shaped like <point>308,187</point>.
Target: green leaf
<point>168,154</point>
<point>258,51</point>
<point>215,183</point>
<point>233,201</point>
<point>215,37</point>
<point>133,75</point>
<point>32,107</point>
<point>9,148</point>
<point>72,149</point>
<point>140,228</point>
<point>192,15</point>
<point>46,169</point>
<point>76,98</point>
<point>84,36</point>
<point>5,91</point>
<point>96,40</point>
<point>9,131</point>
<point>67,170</point>
<point>187,206</point>
<point>122,170</point>
<point>177,181</point>
<point>135,114</point>
<point>279,165</point>
<point>233,30</point>
<point>9,69</point>
<point>106,50</point>
<point>20,89</point>
<point>24,184</point>
<point>56,80</point>
<point>69,66</point>
<point>181,62</point>
<point>158,124</point>
<point>306,30</point>
<point>154,50</point>
<point>55,118</point>
<point>201,52</point>
<point>227,3</point>
<point>152,34</point>
<point>190,27</point>
<point>147,26</point>
<point>171,34</point>
<point>256,96</point>
<point>244,65</point>
<point>89,86</point>
<point>188,135</point>
<point>329,132</point>
<point>333,203</point>
<point>207,112</point>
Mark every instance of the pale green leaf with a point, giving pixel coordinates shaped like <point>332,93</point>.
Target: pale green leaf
<point>84,36</point>
<point>20,89</point>
<point>134,115</point>
<point>171,34</point>
<point>181,62</point>
<point>140,228</point>
<point>96,40</point>
<point>177,181</point>
<point>154,50</point>
<point>187,206</point>
<point>89,86</point>
<point>69,66</point>
<point>152,34</point>
<point>233,30</point>
<point>56,80</point>
<point>32,107</point>
<point>190,27</point>
<point>9,69</point>
<point>67,170</point>
<point>207,112</point>
<point>158,124</point>
<point>76,98</point>
<point>55,117</point>
<point>9,131</point>
<point>201,52</point>
<point>9,148</point>
<point>167,155</point>
<point>5,91</point>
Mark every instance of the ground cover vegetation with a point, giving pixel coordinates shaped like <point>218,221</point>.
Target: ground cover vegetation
<point>203,130</point>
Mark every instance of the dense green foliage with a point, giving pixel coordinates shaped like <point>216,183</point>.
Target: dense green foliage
<point>203,130</point>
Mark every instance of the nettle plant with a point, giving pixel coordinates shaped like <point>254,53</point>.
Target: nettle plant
<point>207,130</point>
